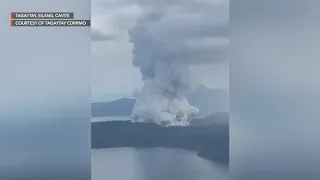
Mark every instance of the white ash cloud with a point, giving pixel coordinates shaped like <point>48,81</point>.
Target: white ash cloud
<point>168,39</point>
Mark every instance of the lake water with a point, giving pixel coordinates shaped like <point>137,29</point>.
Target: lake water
<point>110,118</point>
<point>153,164</point>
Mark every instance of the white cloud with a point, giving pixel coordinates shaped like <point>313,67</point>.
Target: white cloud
<point>189,27</point>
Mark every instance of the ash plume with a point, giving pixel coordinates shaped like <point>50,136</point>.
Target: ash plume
<point>166,43</point>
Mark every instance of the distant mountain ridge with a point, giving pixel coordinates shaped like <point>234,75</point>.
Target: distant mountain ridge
<point>209,101</point>
<point>120,107</point>
<point>217,118</point>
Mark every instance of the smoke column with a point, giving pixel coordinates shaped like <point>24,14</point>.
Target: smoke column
<point>164,55</point>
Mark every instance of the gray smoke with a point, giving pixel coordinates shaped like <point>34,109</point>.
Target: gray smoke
<point>166,43</point>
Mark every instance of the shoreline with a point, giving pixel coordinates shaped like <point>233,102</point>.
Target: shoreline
<point>210,142</point>
<point>201,154</point>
